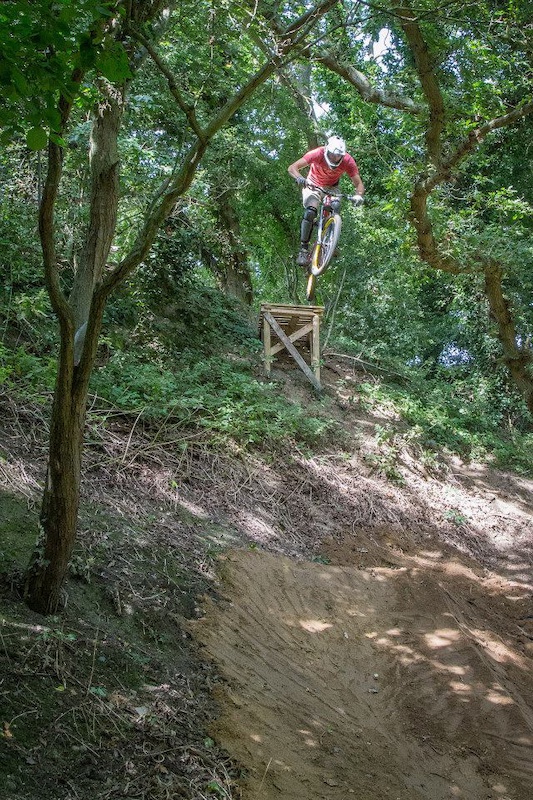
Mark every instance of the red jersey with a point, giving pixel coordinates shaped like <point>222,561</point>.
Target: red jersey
<point>321,174</point>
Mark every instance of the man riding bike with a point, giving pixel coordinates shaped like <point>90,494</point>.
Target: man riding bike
<point>327,165</point>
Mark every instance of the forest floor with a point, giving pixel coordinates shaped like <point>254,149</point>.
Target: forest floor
<point>354,623</point>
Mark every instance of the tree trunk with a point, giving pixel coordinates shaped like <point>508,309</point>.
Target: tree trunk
<point>236,279</point>
<point>103,203</point>
<point>59,511</point>
<point>58,518</point>
<point>49,562</point>
<point>518,360</point>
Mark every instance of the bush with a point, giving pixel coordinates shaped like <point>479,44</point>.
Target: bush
<point>217,394</point>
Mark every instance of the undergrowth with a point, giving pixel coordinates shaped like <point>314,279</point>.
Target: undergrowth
<point>218,394</point>
<point>455,418</point>
<point>227,397</point>
<point>110,699</point>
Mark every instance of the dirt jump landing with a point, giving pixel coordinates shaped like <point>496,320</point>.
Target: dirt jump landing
<point>406,682</point>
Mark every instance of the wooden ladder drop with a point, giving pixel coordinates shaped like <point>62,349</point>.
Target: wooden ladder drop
<point>281,325</point>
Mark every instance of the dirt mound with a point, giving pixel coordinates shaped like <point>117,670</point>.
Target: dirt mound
<point>406,681</point>
<point>380,644</point>
<point>376,639</point>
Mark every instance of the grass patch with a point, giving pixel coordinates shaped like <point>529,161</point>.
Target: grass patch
<point>220,395</point>
<point>18,531</point>
<point>454,418</point>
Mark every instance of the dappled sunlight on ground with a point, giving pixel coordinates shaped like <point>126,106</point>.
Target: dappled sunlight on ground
<point>335,669</point>
<point>377,635</point>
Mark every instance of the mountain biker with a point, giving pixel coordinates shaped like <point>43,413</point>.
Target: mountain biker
<point>327,165</point>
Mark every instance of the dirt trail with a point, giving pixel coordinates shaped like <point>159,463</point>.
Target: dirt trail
<point>404,681</point>
<point>377,638</point>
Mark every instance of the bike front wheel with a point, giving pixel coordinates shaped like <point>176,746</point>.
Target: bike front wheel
<point>324,250</point>
<point>310,289</point>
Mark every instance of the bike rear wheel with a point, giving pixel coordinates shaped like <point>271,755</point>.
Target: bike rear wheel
<point>323,252</point>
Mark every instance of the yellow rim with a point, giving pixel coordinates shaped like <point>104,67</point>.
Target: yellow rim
<point>310,286</point>
<point>316,251</point>
<point>318,248</point>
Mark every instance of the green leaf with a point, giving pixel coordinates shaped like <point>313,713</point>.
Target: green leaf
<point>57,140</point>
<point>215,788</point>
<point>36,138</point>
<point>20,82</point>
<point>113,63</point>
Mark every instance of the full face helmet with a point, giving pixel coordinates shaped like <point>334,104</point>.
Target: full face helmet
<point>334,151</point>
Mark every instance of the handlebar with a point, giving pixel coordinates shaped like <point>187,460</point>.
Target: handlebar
<point>354,198</point>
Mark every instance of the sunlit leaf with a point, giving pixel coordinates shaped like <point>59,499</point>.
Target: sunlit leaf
<point>36,138</point>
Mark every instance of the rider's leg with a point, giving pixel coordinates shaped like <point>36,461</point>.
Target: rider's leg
<point>306,227</point>
<point>305,234</point>
<point>310,199</point>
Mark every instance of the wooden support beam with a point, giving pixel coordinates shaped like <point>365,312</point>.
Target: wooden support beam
<point>295,323</point>
<point>293,337</point>
<point>267,345</point>
<point>315,347</point>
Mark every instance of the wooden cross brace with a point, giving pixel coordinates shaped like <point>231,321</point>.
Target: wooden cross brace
<point>298,321</point>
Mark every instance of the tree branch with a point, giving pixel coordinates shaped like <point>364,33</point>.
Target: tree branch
<point>187,109</point>
<point>46,232</point>
<point>46,219</point>
<point>428,81</point>
<point>369,93</point>
<point>427,245</point>
<point>312,16</point>
<point>518,360</point>
<point>472,141</point>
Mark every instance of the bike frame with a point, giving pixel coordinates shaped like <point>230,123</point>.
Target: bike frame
<point>328,207</point>
<point>328,227</point>
<point>325,210</point>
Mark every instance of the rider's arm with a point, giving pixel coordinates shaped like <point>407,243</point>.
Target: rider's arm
<point>358,183</point>
<point>294,169</point>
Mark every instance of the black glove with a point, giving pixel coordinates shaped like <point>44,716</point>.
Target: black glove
<point>301,181</point>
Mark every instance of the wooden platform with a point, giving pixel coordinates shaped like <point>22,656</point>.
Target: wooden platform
<point>282,325</point>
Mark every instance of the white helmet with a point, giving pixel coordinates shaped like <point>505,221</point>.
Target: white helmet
<point>334,150</point>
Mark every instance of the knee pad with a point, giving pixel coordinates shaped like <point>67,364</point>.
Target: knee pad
<point>307,224</point>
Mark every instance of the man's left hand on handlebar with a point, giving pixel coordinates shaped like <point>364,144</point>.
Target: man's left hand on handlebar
<point>357,200</point>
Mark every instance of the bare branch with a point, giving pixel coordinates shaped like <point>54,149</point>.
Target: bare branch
<point>369,93</point>
<point>187,109</point>
<point>311,16</point>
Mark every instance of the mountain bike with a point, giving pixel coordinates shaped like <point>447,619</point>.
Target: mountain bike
<point>327,225</point>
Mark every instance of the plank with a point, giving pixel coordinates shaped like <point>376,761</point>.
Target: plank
<point>292,350</point>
